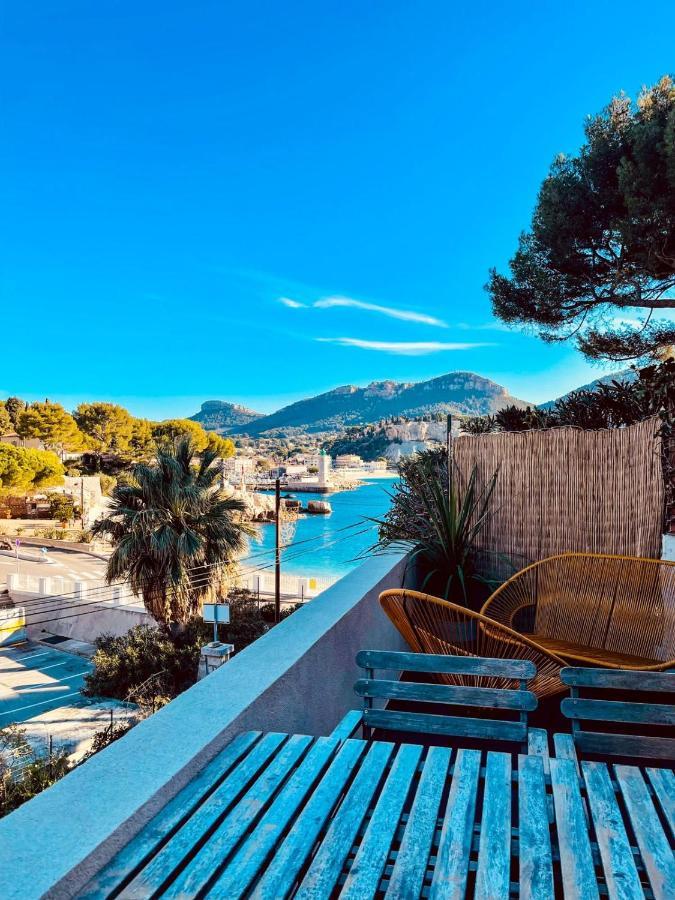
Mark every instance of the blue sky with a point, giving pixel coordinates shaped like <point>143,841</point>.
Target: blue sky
<point>261,201</point>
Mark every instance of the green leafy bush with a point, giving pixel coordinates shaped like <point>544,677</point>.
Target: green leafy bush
<point>436,521</point>
<point>123,664</point>
<point>150,665</point>
<point>62,507</point>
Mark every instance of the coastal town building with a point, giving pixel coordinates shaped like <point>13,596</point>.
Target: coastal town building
<point>17,441</point>
<point>348,461</point>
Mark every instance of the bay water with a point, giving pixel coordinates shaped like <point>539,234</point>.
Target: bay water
<point>326,545</point>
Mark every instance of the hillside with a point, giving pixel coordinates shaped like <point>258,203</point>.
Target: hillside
<point>388,439</point>
<point>456,392</point>
<point>622,375</point>
<point>218,415</point>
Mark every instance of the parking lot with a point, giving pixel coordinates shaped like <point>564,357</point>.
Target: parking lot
<point>35,679</point>
<point>40,691</point>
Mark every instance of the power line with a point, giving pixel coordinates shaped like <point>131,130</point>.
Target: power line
<point>200,583</point>
<point>54,599</point>
<point>56,606</point>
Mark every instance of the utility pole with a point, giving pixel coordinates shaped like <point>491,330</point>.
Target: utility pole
<point>277,551</point>
<point>82,500</point>
<point>450,453</point>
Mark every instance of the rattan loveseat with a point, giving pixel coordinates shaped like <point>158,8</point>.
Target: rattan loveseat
<point>594,609</point>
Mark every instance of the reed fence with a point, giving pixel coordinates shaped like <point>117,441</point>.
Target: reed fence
<point>567,489</point>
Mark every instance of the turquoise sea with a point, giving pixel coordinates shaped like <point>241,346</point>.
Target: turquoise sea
<point>327,545</point>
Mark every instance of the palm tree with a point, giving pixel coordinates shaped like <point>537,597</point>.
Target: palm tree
<point>173,531</point>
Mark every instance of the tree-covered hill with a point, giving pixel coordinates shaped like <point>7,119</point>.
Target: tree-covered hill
<point>456,392</point>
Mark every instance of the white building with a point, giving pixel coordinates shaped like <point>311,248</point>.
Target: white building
<point>348,461</point>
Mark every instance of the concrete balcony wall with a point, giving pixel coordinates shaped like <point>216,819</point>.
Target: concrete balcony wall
<point>297,678</point>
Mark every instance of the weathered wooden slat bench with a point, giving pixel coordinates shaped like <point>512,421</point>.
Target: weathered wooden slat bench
<point>651,723</point>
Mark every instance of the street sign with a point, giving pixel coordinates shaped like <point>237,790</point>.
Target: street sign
<point>216,612</point>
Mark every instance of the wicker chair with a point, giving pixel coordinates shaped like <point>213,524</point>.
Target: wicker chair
<point>432,625</point>
<point>597,610</point>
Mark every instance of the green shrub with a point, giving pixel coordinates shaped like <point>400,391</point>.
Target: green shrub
<point>436,521</point>
<point>149,665</point>
<point>29,774</point>
<point>123,664</point>
<point>62,507</point>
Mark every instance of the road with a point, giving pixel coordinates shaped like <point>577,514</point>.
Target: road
<point>67,564</point>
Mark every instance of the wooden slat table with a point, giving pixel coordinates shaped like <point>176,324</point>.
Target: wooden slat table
<point>276,815</point>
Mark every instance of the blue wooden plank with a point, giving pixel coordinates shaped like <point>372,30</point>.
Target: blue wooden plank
<point>563,746</point>
<point>521,669</point>
<point>169,859</point>
<point>618,711</point>
<point>458,726</point>
<point>497,698</point>
<point>248,862</point>
<point>494,848</point>
<point>663,785</point>
<point>366,871</point>
<point>537,745</point>
<point>574,845</point>
<point>290,857</point>
<point>201,869</point>
<point>348,725</point>
<point>652,842</point>
<point>412,859</point>
<point>534,839</point>
<point>452,858</point>
<point>619,679</point>
<point>325,868</point>
<point>621,875</point>
<point>629,745</point>
<point>129,859</point>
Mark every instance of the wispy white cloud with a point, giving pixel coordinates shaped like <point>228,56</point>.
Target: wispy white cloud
<point>402,348</point>
<point>293,304</point>
<point>393,312</point>
<point>627,322</point>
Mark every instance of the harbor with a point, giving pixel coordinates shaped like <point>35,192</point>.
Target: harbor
<point>324,546</point>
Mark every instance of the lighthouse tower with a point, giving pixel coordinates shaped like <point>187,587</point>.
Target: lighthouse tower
<point>324,468</point>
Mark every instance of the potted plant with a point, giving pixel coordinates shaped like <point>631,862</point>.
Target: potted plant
<point>436,520</point>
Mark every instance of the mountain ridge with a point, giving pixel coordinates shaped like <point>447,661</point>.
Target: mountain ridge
<point>462,393</point>
<point>621,375</point>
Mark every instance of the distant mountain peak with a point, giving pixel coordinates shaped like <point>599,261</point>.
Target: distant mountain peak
<point>620,376</point>
<point>219,415</point>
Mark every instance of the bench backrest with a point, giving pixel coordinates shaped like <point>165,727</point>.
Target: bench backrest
<point>621,604</point>
<point>519,700</point>
<point>649,722</point>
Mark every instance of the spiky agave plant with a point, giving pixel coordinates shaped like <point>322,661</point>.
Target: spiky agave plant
<point>173,531</point>
<point>436,521</point>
